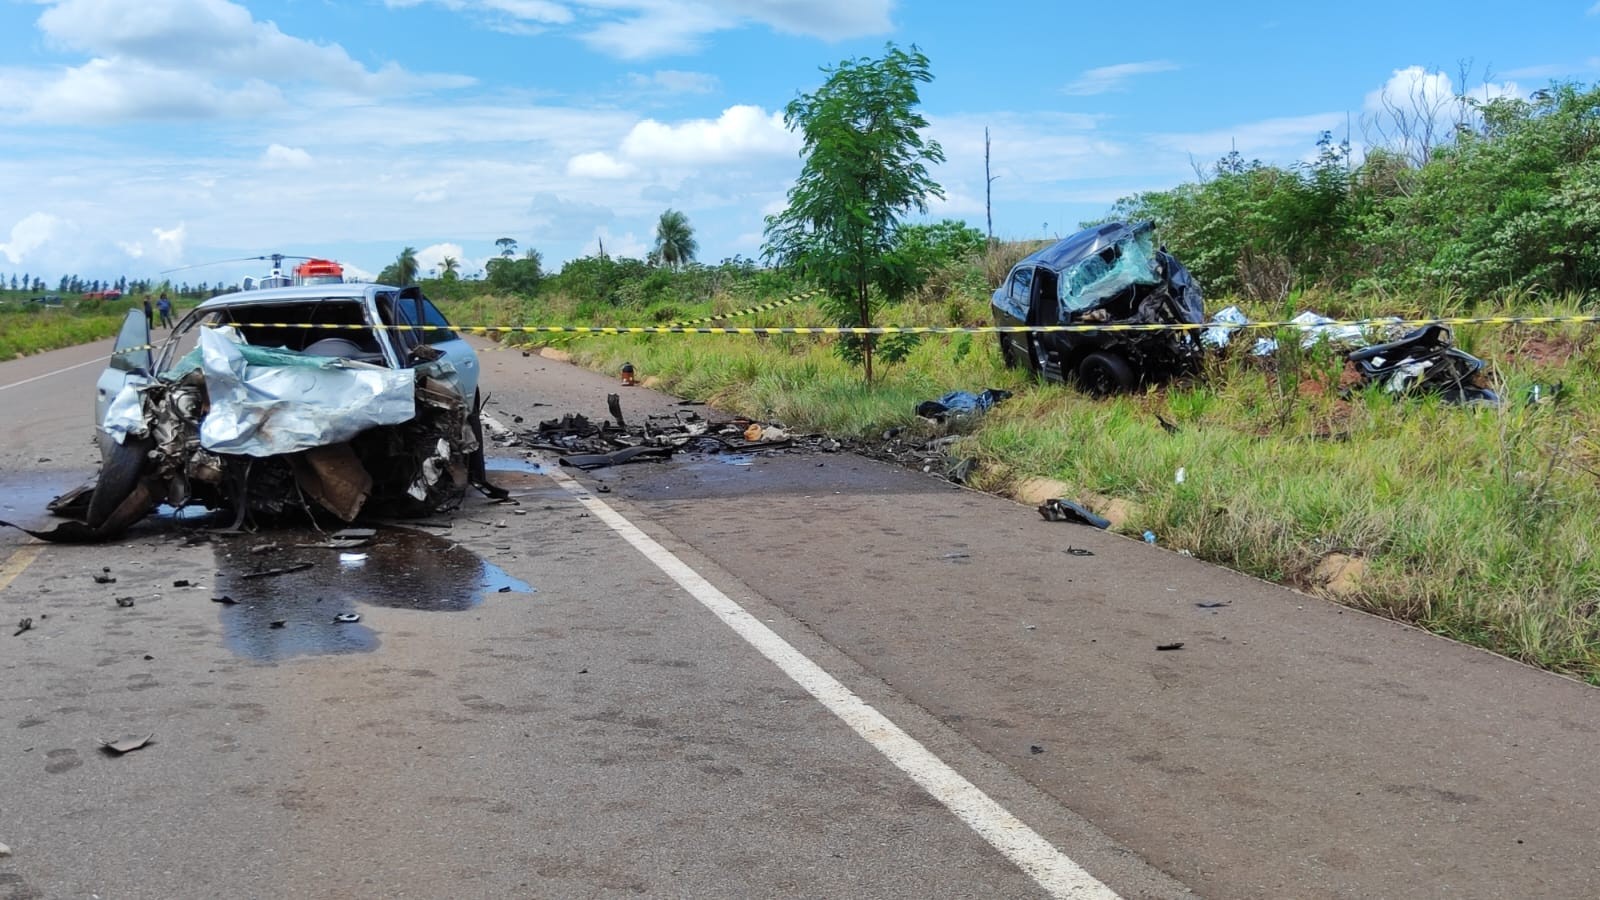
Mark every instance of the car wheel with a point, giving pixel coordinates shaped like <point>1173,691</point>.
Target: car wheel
<point>1104,374</point>
<point>1008,355</point>
<point>120,468</point>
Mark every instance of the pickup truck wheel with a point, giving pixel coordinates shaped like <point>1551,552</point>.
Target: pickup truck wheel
<point>1008,355</point>
<point>1104,374</point>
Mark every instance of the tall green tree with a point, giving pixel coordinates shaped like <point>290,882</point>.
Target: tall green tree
<point>403,271</point>
<point>866,168</point>
<point>450,268</point>
<point>507,246</point>
<point>675,243</point>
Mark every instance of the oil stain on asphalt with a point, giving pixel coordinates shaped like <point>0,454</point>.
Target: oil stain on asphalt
<point>271,617</point>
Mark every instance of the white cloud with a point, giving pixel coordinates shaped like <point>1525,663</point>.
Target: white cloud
<point>278,156</point>
<point>740,132</point>
<point>1594,10</point>
<point>673,81</point>
<point>33,233</point>
<point>1106,79</point>
<point>638,29</point>
<point>103,89</point>
<point>598,165</point>
<point>430,195</point>
<point>217,38</point>
<point>433,256</point>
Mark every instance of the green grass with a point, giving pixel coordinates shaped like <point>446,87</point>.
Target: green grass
<point>1474,523</point>
<point>28,328</point>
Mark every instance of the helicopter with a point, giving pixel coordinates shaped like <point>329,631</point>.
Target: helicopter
<point>312,270</point>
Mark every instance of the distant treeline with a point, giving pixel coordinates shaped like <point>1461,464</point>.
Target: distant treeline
<point>70,285</point>
<point>1478,197</point>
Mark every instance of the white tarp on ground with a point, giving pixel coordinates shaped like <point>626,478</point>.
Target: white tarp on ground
<point>266,402</point>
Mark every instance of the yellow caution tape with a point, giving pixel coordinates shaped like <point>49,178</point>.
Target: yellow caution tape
<point>942,329</point>
<point>748,311</point>
<point>922,329</point>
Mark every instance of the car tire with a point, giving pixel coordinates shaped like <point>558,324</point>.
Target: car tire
<point>121,466</point>
<point>1008,354</point>
<point>1103,374</point>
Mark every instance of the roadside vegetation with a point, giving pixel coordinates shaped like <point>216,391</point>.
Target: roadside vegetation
<point>27,327</point>
<point>1478,523</point>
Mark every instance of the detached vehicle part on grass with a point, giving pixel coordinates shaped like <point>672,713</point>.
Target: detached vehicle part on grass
<point>1106,275</point>
<point>1425,360</point>
<point>316,399</point>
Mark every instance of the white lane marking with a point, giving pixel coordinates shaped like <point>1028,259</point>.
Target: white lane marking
<point>1052,869</point>
<point>92,362</point>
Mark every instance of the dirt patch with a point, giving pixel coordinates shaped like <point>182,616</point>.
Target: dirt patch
<point>1034,491</point>
<point>555,355</point>
<point>1545,350</point>
<point>1340,575</point>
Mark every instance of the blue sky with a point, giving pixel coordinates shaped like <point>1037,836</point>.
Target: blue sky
<point>141,136</point>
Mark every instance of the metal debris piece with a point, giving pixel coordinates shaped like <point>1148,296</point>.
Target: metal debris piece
<point>182,582</point>
<point>1078,551</point>
<point>25,625</point>
<point>1175,645</point>
<point>285,570</point>
<point>352,558</point>
<point>124,602</point>
<point>277,624</point>
<point>4,851</point>
<point>1219,604</point>
<point>1035,749</point>
<point>126,745</point>
<point>347,618</point>
<point>1058,510</point>
<point>225,600</point>
<point>104,579</point>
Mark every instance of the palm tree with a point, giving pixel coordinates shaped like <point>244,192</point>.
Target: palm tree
<point>675,244</point>
<point>405,266</point>
<point>449,268</point>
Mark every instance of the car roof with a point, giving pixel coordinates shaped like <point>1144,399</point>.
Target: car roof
<point>343,291</point>
<point>1075,248</point>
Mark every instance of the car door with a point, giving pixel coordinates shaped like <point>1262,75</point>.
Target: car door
<point>438,335</point>
<point>132,359</point>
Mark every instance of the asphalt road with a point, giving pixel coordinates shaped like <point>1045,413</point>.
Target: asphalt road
<point>809,676</point>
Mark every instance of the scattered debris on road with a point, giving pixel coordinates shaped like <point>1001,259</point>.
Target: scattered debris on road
<point>225,600</point>
<point>25,625</point>
<point>104,579</point>
<point>124,602</point>
<point>347,618</point>
<point>126,745</point>
<point>181,582</point>
<point>1175,645</point>
<point>1218,604</point>
<point>1058,510</point>
<point>1078,551</point>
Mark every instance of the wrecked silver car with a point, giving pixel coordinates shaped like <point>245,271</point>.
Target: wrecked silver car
<point>324,400</point>
<point>1111,274</point>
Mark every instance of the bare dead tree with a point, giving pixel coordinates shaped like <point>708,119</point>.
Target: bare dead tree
<point>988,187</point>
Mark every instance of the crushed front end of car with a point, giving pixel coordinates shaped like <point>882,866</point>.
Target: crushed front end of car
<point>1109,275</point>
<point>270,433</point>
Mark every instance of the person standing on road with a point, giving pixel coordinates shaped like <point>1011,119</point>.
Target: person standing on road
<point>149,313</point>
<point>165,306</point>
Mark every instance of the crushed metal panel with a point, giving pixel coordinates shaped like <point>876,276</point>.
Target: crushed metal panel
<point>335,478</point>
<point>267,403</point>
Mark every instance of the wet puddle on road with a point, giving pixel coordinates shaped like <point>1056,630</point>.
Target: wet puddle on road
<point>398,568</point>
<point>508,464</point>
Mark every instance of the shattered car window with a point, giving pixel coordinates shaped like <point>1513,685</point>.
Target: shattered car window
<point>1109,272</point>
<point>281,326</point>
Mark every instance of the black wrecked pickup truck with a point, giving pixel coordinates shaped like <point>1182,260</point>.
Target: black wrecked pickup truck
<point>1106,275</point>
